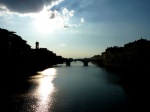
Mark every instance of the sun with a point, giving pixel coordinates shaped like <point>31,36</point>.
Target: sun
<point>44,24</point>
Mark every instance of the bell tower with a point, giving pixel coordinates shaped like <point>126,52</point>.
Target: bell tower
<point>37,45</point>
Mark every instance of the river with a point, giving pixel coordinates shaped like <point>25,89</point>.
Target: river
<point>74,88</point>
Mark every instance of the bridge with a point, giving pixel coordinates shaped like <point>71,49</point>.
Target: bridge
<point>84,60</point>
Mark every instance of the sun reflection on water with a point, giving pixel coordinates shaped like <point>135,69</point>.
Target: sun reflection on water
<point>45,89</point>
<point>49,72</point>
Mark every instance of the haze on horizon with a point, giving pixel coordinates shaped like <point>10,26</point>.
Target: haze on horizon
<point>77,28</point>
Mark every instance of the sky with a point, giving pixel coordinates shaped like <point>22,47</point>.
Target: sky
<point>77,28</point>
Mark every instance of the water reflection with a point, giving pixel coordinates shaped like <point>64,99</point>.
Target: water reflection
<point>44,90</point>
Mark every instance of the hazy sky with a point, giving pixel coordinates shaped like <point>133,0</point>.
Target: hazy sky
<point>77,28</point>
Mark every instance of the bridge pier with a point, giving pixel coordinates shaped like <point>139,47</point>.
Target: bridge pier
<point>85,63</point>
<point>68,63</point>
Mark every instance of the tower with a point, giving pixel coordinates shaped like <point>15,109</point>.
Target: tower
<point>37,45</point>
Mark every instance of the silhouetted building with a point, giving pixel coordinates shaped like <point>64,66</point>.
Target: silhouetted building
<point>133,55</point>
<point>96,57</point>
<point>12,43</point>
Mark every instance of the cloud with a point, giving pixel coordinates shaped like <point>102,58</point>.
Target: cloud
<point>64,16</point>
<point>27,6</point>
<point>64,13</point>
<point>52,14</point>
<point>44,12</point>
<point>73,4</point>
<point>1,9</point>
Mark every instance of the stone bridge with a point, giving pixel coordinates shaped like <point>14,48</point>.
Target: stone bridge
<point>85,61</point>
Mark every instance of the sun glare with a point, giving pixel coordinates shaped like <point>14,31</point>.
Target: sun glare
<point>44,24</point>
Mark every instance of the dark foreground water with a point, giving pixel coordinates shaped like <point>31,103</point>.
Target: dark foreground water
<point>71,89</point>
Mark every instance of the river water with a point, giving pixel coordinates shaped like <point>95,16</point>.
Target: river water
<point>74,88</point>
